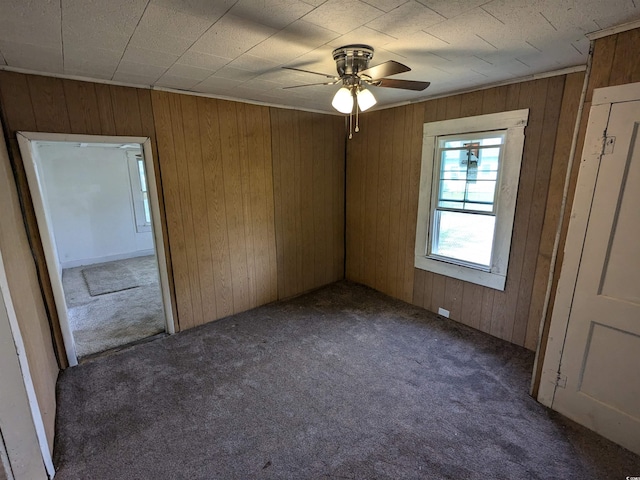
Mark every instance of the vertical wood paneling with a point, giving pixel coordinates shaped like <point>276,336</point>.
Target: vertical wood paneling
<point>187,214</point>
<point>308,180</point>
<point>37,103</point>
<point>247,210</point>
<point>403,152</point>
<point>171,193</point>
<point>322,265</point>
<point>221,194</point>
<point>438,286</point>
<point>336,156</point>
<point>486,312</point>
<point>199,206</point>
<point>261,198</point>
<point>623,69</point>
<point>471,104</point>
<point>25,295</point>
<point>418,287</point>
<point>370,177</point>
<point>49,104</point>
<point>430,115</point>
<point>532,95</point>
<point>428,289</point>
<point>471,304</point>
<point>126,111</point>
<point>385,169</point>
<point>355,189</point>
<point>105,109</point>
<point>216,164</point>
<point>378,207</point>
<point>611,65</point>
<point>395,197</point>
<point>307,210</point>
<point>545,156</point>
<point>216,211</point>
<point>82,106</point>
<point>234,203</point>
<point>148,129</point>
<point>568,112</point>
<point>414,157</point>
<point>494,100</point>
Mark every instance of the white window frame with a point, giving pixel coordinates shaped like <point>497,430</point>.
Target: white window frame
<point>514,122</point>
<point>133,159</point>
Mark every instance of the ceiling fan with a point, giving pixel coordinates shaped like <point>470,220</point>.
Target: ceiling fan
<point>352,63</point>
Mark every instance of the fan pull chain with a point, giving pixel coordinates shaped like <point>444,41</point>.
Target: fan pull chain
<point>351,124</point>
<point>357,117</point>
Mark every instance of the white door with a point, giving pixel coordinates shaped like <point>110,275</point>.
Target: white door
<point>600,360</point>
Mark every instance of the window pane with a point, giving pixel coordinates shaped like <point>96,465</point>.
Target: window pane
<point>492,141</point>
<point>489,158</point>
<point>452,189</point>
<point>481,191</point>
<point>449,204</point>
<point>147,211</point>
<point>486,174</point>
<point>143,178</point>
<point>478,207</point>
<point>463,236</point>
<point>452,163</point>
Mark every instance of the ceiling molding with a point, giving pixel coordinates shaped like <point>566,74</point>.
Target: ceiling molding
<point>161,89</point>
<point>72,77</point>
<point>537,76</point>
<point>243,100</point>
<point>613,30</point>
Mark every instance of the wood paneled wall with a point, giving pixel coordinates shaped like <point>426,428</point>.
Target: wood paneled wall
<point>26,297</point>
<point>254,201</point>
<point>215,158</point>
<point>308,176</point>
<point>613,63</point>
<point>214,168</point>
<point>383,173</point>
<point>44,104</point>
<point>233,241</point>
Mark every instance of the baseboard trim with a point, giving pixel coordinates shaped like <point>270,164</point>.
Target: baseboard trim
<point>108,258</point>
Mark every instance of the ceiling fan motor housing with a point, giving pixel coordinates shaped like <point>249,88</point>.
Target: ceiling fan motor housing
<point>352,59</point>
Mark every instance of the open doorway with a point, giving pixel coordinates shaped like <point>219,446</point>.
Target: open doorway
<point>96,205</point>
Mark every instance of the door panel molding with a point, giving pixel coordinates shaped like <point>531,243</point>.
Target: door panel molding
<point>578,350</point>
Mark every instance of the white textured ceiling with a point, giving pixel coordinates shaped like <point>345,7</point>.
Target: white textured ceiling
<point>236,48</point>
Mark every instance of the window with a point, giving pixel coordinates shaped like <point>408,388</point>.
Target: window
<point>139,191</point>
<point>469,181</point>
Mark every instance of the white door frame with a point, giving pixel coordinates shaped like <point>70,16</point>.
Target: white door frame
<point>603,98</point>
<point>21,425</point>
<point>25,140</point>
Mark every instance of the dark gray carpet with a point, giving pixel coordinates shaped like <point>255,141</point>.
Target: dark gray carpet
<point>340,383</point>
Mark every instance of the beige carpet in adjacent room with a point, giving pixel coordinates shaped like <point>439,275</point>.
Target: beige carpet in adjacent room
<point>109,320</point>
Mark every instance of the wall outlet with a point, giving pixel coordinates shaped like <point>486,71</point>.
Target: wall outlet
<point>443,312</point>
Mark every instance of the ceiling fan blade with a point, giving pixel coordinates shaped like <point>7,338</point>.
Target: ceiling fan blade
<point>312,84</point>
<point>309,71</point>
<point>385,69</point>
<point>404,84</point>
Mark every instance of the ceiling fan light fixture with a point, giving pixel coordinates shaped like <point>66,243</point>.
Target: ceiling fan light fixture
<point>366,100</point>
<point>343,100</point>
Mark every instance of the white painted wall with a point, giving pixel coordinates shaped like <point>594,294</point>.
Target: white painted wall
<point>87,192</point>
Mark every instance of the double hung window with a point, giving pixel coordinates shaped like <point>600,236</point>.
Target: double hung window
<point>468,187</point>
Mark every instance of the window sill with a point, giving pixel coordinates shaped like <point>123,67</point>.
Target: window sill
<point>468,274</point>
